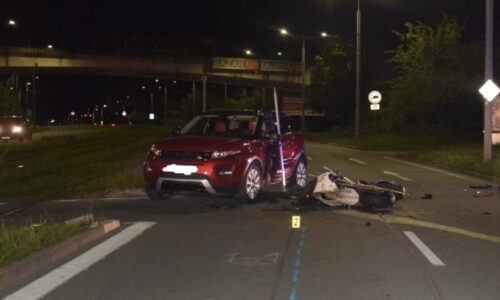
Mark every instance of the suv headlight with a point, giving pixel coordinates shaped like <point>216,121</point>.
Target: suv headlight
<point>17,129</point>
<point>222,154</point>
<point>155,151</point>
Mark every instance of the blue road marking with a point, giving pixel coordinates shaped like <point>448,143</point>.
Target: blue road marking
<point>293,294</point>
<point>297,265</point>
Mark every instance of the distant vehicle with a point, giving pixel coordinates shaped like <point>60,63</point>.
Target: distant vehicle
<point>234,152</point>
<point>15,128</point>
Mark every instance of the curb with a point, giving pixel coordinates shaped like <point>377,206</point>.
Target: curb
<point>36,261</point>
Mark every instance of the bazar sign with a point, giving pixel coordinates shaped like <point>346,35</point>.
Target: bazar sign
<point>228,63</point>
<point>246,64</point>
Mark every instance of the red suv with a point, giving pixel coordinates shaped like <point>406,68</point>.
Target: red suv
<point>226,152</point>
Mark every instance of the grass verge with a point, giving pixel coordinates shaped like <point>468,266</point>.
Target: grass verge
<point>19,242</point>
<point>460,155</point>
<point>76,162</point>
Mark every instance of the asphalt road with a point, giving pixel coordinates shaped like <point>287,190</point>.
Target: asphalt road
<point>196,247</point>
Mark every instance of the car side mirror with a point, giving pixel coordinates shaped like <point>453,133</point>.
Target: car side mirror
<point>175,131</point>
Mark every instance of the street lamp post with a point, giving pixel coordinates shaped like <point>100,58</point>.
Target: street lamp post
<point>358,72</point>
<point>284,31</point>
<point>488,74</point>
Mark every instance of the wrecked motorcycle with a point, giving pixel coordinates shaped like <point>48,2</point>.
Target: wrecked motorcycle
<point>334,189</point>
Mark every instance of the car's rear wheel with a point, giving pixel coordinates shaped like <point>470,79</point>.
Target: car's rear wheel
<point>252,184</point>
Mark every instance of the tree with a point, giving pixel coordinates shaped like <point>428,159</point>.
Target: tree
<point>10,103</point>
<point>331,79</point>
<point>435,89</point>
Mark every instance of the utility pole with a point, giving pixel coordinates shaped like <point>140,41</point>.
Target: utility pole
<point>358,71</point>
<point>488,74</point>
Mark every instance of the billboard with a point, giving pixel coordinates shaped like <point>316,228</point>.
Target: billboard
<point>254,64</point>
<point>292,106</point>
<point>230,63</point>
<point>279,66</point>
<point>290,103</point>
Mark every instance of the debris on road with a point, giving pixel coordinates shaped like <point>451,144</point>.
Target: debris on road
<point>484,190</point>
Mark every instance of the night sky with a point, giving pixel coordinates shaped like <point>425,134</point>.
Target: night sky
<point>224,28</point>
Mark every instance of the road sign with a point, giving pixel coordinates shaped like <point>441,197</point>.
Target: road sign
<point>375,97</point>
<point>374,106</point>
<point>489,90</point>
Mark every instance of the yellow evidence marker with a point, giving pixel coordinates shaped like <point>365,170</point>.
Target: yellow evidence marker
<point>295,221</point>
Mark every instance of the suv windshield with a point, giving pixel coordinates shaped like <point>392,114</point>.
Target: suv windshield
<point>233,125</point>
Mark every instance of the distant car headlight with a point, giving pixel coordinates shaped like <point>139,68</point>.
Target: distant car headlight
<point>155,151</point>
<point>222,154</point>
<point>17,129</point>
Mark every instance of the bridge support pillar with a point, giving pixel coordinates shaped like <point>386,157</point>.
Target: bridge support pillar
<point>225,94</point>
<point>204,82</point>
<point>194,98</point>
<point>263,97</point>
<point>33,92</point>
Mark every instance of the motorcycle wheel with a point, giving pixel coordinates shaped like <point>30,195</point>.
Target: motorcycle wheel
<point>377,200</point>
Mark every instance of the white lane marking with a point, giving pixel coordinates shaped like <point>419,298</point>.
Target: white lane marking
<point>312,175</point>
<point>309,158</point>
<point>328,169</point>
<point>3,203</point>
<point>357,161</point>
<point>44,285</point>
<point>99,199</point>
<point>397,175</point>
<point>431,257</point>
<point>65,200</point>
<point>466,178</point>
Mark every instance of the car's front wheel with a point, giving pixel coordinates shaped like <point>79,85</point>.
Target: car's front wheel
<point>299,176</point>
<point>252,184</point>
<point>152,193</point>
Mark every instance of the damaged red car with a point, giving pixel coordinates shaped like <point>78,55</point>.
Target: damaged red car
<point>221,152</point>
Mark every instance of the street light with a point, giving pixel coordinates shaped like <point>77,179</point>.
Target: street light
<point>284,31</point>
<point>248,52</point>
<point>11,23</point>
<point>49,46</point>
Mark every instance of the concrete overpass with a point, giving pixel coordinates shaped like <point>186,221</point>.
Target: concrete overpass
<point>46,61</point>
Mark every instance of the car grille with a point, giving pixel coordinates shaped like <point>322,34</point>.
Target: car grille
<point>204,156</point>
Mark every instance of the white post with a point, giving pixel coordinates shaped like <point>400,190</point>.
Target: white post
<point>280,146</point>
